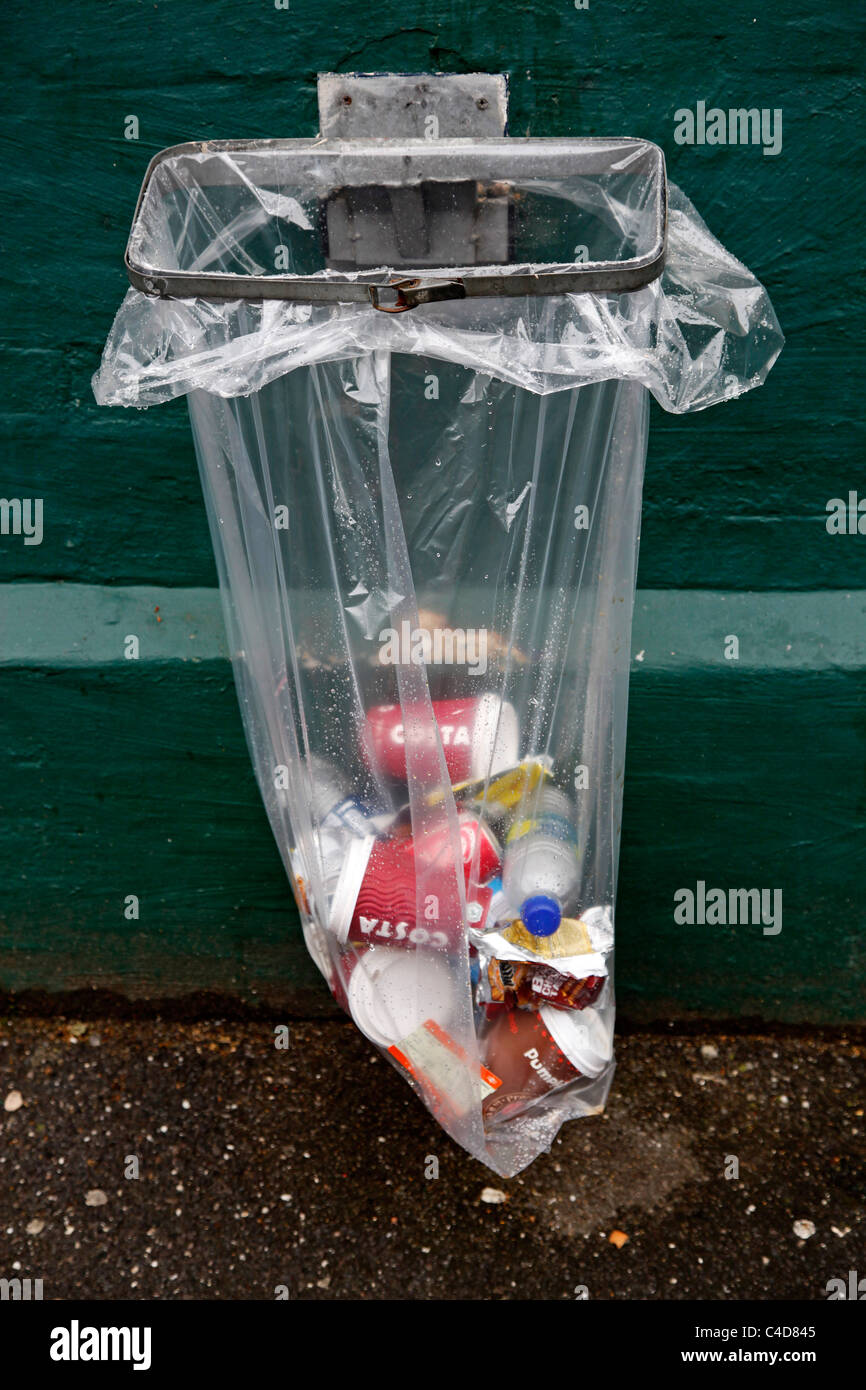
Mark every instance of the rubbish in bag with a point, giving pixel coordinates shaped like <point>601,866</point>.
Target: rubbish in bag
<point>432,657</point>
<point>525,985</point>
<point>381,900</point>
<point>535,1054</point>
<point>479,737</point>
<point>337,811</point>
<point>541,871</point>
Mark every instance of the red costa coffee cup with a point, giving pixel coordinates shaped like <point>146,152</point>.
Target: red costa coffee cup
<point>477,842</point>
<point>376,897</point>
<point>479,735</point>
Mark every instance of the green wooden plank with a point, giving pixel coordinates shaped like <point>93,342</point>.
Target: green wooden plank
<point>52,626</point>
<point>133,777</point>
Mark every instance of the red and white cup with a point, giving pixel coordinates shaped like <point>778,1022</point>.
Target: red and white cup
<point>480,738</point>
<point>480,851</point>
<point>376,896</point>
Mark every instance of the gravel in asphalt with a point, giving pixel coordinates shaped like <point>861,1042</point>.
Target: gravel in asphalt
<point>157,1159</point>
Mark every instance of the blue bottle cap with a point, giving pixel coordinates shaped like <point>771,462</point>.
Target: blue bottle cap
<point>541,915</point>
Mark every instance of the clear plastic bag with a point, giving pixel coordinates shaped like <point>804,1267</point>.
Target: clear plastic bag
<point>426,528</point>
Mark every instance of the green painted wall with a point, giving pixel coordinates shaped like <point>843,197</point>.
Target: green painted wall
<point>133,778</point>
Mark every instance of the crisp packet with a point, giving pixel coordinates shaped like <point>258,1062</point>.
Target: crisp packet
<point>529,986</point>
<point>577,949</point>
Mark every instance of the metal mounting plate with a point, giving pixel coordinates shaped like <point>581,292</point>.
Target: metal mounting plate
<point>421,106</point>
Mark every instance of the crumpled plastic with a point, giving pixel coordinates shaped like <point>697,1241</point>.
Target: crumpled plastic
<point>704,332</point>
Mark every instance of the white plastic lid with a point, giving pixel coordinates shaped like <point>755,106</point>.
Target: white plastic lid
<point>581,1035</point>
<point>348,885</point>
<point>392,992</point>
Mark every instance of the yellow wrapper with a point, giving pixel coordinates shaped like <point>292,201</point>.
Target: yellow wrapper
<point>506,790</point>
<point>570,939</point>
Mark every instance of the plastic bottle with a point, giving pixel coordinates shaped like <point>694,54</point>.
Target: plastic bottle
<point>540,874</point>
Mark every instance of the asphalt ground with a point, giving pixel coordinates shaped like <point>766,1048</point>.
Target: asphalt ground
<point>301,1172</point>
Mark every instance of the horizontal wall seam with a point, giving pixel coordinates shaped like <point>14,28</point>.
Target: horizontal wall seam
<point>55,626</point>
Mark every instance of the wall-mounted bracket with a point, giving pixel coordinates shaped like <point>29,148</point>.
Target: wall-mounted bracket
<point>431,106</point>
<point>429,223</point>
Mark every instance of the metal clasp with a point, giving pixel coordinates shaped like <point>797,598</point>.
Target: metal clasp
<point>410,293</point>
<point>399,288</point>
